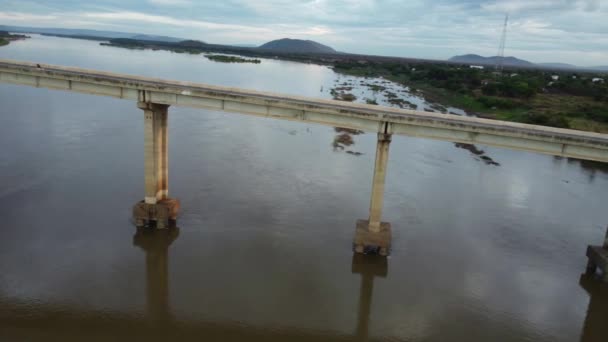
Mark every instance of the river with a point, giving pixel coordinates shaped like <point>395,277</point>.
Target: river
<point>481,252</point>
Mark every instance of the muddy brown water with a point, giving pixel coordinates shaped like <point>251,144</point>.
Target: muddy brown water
<point>263,250</point>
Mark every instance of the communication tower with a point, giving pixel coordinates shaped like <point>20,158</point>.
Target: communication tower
<point>501,47</point>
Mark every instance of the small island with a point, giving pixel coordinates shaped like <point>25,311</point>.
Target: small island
<point>231,59</point>
<point>6,38</point>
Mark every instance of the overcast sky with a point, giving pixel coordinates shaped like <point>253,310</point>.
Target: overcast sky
<point>570,31</point>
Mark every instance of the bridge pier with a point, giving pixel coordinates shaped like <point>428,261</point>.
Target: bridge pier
<point>157,209</point>
<point>369,266</point>
<point>598,258</point>
<point>373,235</point>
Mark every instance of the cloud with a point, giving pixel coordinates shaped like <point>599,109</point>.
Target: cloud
<point>25,17</point>
<point>280,30</point>
<point>519,6</point>
<point>170,2</point>
<point>413,28</point>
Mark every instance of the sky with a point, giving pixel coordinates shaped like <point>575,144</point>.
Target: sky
<point>567,31</point>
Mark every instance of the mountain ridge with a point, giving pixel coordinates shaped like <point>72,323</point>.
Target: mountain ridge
<point>493,60</point>
<point>297,46</point>
<point>87,33</point>
<point>517,62</point>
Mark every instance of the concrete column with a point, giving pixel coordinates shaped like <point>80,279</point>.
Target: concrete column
<point>156,157</point>
<point>377,197</point>
<point>373,235</point>
<point>157,209</point>
<point>606,239</point>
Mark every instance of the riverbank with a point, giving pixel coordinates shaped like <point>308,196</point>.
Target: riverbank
<point>6,38</point>
<point>231,59</point>
<point>563,99</point>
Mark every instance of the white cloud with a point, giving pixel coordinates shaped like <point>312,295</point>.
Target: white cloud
<point>413,28</point>
<point>519,6</point>
<point>170,2</point>
<point>25,17</point>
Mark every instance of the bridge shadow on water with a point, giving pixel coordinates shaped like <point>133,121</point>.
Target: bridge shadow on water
<point>160,324</point>
<point>369,266</point>
<point>155,243</point>
<point>595,327</point>
<point>55,322</point>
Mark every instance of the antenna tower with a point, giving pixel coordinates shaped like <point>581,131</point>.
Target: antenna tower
<point>501,47</point>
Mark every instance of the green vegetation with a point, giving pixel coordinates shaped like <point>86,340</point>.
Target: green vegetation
<point>344,139</point>
<point>231,59</point>
<point>558,99</point>
<point>401,103</point>
<point>340,94</point>
<point>572,99</point>
<point>6,38</point>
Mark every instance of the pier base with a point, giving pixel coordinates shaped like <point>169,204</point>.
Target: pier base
<point>158,215</point>
<point>367,241</point>
<point>598,258</point>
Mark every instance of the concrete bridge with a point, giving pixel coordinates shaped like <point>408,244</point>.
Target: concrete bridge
<point>154,96</point>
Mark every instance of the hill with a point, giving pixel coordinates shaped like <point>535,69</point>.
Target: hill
<point>156,38</point>
<point>87,34</point>
<point>297,46</point>
<point>476,59</point>
<point>192,44</point>
<point>557,65</point>
<point>516,62</point>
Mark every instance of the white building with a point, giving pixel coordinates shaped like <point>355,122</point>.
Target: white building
<point>476,67</point>
<point>597,80</point>
<point>555,77</point>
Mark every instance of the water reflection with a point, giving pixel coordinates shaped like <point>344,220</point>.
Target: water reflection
<point>155,243</point>
<point>369,266</point>
<point>479,154</point>
<point>594,328</point>
<point>590,167</point>
<point>344,139</point>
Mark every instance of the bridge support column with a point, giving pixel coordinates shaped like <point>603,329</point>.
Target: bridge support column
<point>373,235</point>
<point>598,258</point>
<point>157,209</point>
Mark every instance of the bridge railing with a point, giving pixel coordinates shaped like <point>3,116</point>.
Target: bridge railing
<point>370,118</point>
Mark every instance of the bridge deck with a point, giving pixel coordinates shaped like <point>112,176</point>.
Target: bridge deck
<point>371,118</point>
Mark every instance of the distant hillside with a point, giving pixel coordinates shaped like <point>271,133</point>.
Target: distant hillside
<point>297,46</point>
<point>476,59</point>
<point>155,38</point>
<point>61,31</point>
<point>516,62</point>
<point>557,65</point>
<point>245,45</point>
<point>87,33</point>
<point>192,44</point>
